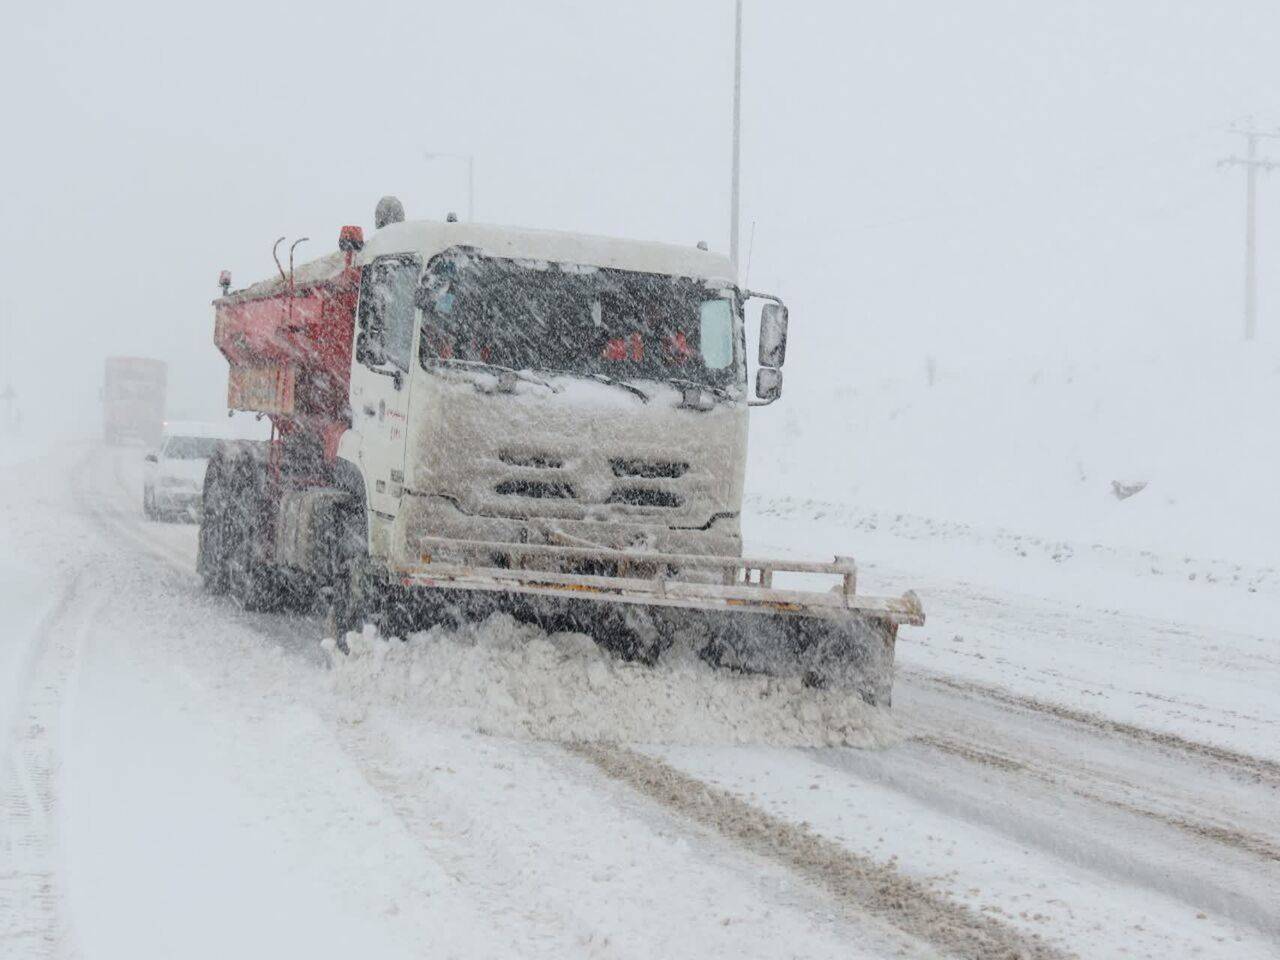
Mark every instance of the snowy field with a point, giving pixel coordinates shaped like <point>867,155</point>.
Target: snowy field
<point>1083,759</point>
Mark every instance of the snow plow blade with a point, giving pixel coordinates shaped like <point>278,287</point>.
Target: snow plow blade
<point>639,604</point>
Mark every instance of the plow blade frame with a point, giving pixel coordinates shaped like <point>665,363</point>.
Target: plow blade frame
<point>737,618</point>
<point>748,586</point>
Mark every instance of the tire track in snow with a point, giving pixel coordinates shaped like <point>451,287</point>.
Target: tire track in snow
<point>114,522</point>
<point>1249,842</point>
<point>104,518</point>
<point>35,650</point>
<point>34,920</point>
<point>149,532</point>
<point>455,838</point>
<point>111,518</point>
<point>858,882</point>
<point>1110,847</point>
<point>589,890</point>
<point>1241,764</point>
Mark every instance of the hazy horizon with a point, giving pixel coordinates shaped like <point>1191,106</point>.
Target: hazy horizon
<point>917,180</point>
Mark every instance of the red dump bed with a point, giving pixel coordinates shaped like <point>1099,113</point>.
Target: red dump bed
<point>288,346</point>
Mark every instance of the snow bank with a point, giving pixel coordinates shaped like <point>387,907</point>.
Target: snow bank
<point>1034,442</point>
<point>511,679</point>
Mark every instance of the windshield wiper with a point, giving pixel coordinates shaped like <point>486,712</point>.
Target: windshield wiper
<point>605,378</point>
<point>718,391</point>
<point>599,378</point>
<point>495,368</point>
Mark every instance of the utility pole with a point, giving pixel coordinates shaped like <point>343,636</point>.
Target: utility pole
<point>1252,164</point>
<point>737,129</point>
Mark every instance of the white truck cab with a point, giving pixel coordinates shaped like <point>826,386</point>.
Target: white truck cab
<point>516,384</point>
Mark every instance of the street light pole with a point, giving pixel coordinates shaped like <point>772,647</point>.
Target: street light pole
<point>737,131</point>
<point>470,159</point>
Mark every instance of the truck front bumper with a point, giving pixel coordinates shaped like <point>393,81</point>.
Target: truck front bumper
<point>423,518</point>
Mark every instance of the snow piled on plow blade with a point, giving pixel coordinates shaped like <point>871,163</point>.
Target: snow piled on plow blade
<point>512,679</point>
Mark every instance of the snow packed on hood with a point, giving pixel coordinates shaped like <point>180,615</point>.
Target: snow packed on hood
<point>506,678</point>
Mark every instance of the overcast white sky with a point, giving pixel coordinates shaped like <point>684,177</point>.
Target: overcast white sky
<point>923,177</point>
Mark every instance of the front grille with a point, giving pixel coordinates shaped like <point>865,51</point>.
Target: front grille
<point>538,489</point>
<point>540,461</point>
<point>648,469</point>
<point>641,497</point>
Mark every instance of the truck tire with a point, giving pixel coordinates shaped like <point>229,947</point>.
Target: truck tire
<point>211,553</point>
<point>249,580</point>
<point>354,594</point>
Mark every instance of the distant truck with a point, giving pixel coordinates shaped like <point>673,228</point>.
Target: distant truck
<point>133,395</point>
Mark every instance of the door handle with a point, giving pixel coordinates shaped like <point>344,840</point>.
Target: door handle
<point>369,411</point>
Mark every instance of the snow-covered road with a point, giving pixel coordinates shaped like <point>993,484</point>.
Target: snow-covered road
<point>1061,777</point>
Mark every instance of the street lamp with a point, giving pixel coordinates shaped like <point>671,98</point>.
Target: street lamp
<point>471,177</point>
<point>737,128</point>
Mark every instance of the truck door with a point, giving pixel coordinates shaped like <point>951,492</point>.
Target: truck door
<point>380,375</point>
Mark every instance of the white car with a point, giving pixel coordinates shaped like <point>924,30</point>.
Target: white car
<point>174,482</point>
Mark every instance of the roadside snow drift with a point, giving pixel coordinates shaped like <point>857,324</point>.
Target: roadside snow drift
<point>511,679</point>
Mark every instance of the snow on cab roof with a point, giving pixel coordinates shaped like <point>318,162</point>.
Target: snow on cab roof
<point>428,237</point>
<point>304,274</point>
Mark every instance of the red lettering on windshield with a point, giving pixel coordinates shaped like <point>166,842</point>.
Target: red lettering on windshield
<point>678,346</point>
<point>630,347</point>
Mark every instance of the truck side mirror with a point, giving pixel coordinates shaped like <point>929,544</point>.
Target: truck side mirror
<point>773,335</point>
<point>768,384</point>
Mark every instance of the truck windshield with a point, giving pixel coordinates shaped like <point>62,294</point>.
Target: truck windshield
<point>566,318</point>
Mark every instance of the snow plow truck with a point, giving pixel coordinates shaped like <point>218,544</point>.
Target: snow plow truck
<point>469,419</point>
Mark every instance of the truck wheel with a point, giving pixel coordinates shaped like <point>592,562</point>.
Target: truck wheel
<point>400,612</point>
<point>250,580</point>
<point>354,593</point>
<point>356,600</point>
<point>211,554</point>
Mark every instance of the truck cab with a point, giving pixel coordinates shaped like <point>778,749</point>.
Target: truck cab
<point>534,387</point>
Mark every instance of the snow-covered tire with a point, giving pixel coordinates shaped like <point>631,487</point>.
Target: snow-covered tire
<point>211,554</point>
<point>249,580</point>
<point>356,594</point>
<point>356,598</point>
